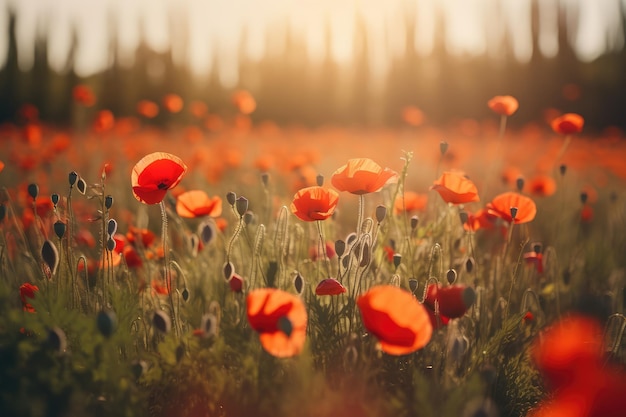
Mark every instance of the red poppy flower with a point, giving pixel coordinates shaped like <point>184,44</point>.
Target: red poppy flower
<point>315,253</point>
<point>1,166</point>
<point>131,257</point>
<point>362,176</point>
<point>453,301</point>
<point>135,234</point>
<point>534,258</point>
<point>104,121</point>
<point>396,318</point>
<point>502,204</point>
<point>541,185</point>
<point>154,174</point>
<point>314,203</point>
<point>280,319</point>
<point>197,203</point>
<point>412,116</point>
<point>329,286</point>
<point>569,355</point>
<point>83,94</point>
<point>455,188</point>
<point>236,283</point>
<point>244,102</point>
<point>586,214</point>
<point>482,219</point>
<point>27,291</point>
<point>568,124</point>
<point>503,105</point>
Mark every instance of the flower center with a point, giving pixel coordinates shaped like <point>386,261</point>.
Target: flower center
<point>162,186</point>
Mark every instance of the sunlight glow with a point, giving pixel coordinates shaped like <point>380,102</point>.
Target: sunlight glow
<point>212,35</point>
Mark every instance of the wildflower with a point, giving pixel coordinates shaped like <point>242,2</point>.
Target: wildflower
<point>197,203</point>
<point>503,105</point>
<point>147,109</point>
<point>315,253</point>
<point>455,188</point>
<point>154,174</point>
<point>314,203</point>
<point>173,103</point>
<point>513,207</point>
<point>542,186</point>
<point>236,283</point>
<point>410,201</point>
<point>84,95</point>
<point>412,116</point>
<point>396,318</point>
<point>362,176</point>
<point>569,355</point>
<point>449,302</point>
<point>568,124</point>
<point>27,291</point>
<point>280,319</point>
<point>244,102</point>
<point>330,286</point>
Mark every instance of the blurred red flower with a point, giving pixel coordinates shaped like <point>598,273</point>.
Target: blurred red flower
<point>568,124</point>
<point>503,105</point>
<point>27,291</point>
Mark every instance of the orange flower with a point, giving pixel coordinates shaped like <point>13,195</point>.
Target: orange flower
<point>84,95</point>
<point>412,116</point>
<point>455,188</point>
<point>244,102</point>
<point>197,203</point>
<point>362,176</point>
<point>1,166</point>
<point>280,319</point>
<point>396,318</point>
<point>482,219</point>
<point>154,174</point>
<point>314,203</point>
<point>568,124</point>
<point>411,201</point>
<point>503,105</point>
<point>27,291</point>
<point>505,204</point>
<point>104,121</point>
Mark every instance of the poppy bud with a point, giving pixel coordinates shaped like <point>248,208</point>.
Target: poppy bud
<point>59,229</point>
<point>381,213</point>
<point>351,238</point>
<point>209,325</point>
<point>451,276</point>
<point>365,255</point>
<point>72,177</point>
<point>248,217</point>
<point>50,256</point>
<point>397,259</point>
<point>108,201</point>
<point>57,340</point>
<point>111,243</point>
<point>81,186</point>
<point>33,190</point>
<point>519,183</point>
<point>55,199</point>
<point>443,147</point>
<point>228,270</point>
<point>111,227</point>
<point>231,197</point>
<point>185,294</point>
<point>138,368</point>
<point>106,321</point>
<point>265,178</point>
<point>537,247</point>
<point>413,284</point>
<point>455,300</point>
<point>241,204</point>
<point>319,180</point>
<point>563,169</point>
<point>162,321</point>
<point>298,283</point>
<point>3,212</point>
<point>340,247</point>
<point>463,216</point>
<point>206,231</point>
<point>583,197</point>
<point>513,212</point>
<point>414,222</point>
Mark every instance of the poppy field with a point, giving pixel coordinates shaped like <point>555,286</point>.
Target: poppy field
<point>213,265</point>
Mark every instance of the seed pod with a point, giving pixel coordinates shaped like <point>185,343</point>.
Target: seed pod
<point>209,324</point>
<point>443,147</point>
<point>519,183</point>
<point>414,222</point>
<point>185,294</point>
<point>319,180</point>
<point>206,231</point>
<point>108,201</point>
<point>81,186</point>
<point>228,270</point>
<point>57,340</point>
<point>340,247</point>
<point>397,259</point>
<point>55,199</point>
<point>50,256</point>
<point>413,284</point>
<point>265,178</point>
<point>584,197</point>
<point>469,265</point>
<point>111,243</point>
<point>138,368</point>
<point>513,212</point>
<point>248,217</point>
<point>463,216</point>
<point>162,321</point>
<point>563,169</point>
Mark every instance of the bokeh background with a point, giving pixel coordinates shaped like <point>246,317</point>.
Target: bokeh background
<point>319,62</point>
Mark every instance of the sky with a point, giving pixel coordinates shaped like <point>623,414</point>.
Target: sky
<point>209,28</point>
